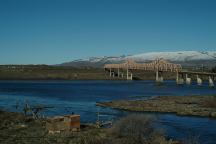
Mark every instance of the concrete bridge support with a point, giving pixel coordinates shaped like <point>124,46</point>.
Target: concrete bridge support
<point>131,76</point>
<point>179,80</point>
<point>211,82</point>
<point>118,72</point>
<point>199,81</point>
<point>110,72</point>
<point>127,74</point>
<point>113,74</point>
<point>188,80</point>
<point>122,75</point>
<point>159,77</point>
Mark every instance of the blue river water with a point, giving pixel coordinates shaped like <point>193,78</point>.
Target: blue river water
<point>81,96</point>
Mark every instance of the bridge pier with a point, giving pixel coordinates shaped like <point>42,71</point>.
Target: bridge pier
<point>199,81</point>
<point>159,77</point>
<point>110,72</point>
<point>211,82</point>
<point>131,76</point>
<point>179,80</point>
<point>188,80</point>
<point>118,73</point>
<point>122,75</point>
<point>127,74</point>
<point>113,74</point>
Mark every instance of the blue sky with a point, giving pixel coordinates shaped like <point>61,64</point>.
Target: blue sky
<point>56,31</point>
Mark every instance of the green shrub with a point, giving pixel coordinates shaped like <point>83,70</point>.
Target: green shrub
<point>137,129</point>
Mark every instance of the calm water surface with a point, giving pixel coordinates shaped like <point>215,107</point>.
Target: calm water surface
<point>80,97</point>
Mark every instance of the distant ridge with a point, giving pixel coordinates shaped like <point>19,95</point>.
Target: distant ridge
<point>186,58</point>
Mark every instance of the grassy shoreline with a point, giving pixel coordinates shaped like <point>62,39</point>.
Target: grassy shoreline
<point>69,73</point>
<point>203,106</point>
<point>20,129</point>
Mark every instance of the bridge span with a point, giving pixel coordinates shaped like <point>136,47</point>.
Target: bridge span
<point>159,66</point>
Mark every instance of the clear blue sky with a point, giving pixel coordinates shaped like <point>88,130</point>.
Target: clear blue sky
<point>56,31</point>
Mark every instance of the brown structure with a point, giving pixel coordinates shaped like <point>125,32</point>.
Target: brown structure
<point>157,65</point>
<point>63,123</point>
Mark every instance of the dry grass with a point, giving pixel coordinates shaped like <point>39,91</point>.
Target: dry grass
<point>192,139</point>
<point>137,129</point>
<point>133,129</point>
<point>210,102</point>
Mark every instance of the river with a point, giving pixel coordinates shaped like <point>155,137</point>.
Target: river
<point>80,97</point>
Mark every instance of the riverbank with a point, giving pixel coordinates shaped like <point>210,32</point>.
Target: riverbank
<point>204,106</point>
<point>43,72</point>
<point>19,129</point>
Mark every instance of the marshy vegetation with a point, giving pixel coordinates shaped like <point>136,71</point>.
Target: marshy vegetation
<point>204,106</point>
<point>210,102</point>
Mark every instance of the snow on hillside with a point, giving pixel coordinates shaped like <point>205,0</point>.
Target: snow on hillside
<point>175,56</point>
<point>184,57</point>
<point>172,56</point>
<point>104,59</point>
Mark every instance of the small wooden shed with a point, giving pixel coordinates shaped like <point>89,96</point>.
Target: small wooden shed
<point>63,123</point>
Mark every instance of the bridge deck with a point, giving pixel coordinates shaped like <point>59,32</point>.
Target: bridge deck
<point>198,73</point>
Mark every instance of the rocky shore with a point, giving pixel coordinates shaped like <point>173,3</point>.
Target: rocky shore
<point>204,106</point>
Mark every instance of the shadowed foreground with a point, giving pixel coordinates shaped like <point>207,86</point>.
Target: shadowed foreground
<point>134,129</point>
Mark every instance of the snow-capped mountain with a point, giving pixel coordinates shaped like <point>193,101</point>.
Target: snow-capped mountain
<point>182,57</point>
